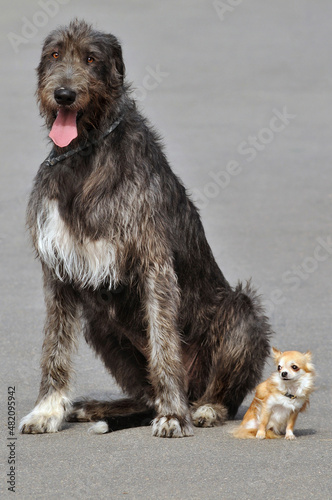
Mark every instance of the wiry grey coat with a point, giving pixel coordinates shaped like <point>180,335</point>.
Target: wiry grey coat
<point>125,258</point>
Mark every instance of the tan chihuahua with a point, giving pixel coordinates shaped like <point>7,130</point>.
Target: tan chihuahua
<point>279,399</point>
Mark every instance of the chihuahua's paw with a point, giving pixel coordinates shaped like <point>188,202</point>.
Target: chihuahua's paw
<point>290,436</point>
<point>171,426</point>
<point>261,435</point>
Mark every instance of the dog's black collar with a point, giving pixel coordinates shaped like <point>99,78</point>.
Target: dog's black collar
<point>290,396</point>
<point>52,159</point>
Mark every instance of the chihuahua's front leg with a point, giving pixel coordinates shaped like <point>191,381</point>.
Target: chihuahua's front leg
<point>290,426</point>
<point>263,422</point>
<point>60,340</point>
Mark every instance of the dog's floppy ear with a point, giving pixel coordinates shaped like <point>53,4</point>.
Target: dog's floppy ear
<point>119,64</point>
<point>118,67</point>
<point>276,353</point>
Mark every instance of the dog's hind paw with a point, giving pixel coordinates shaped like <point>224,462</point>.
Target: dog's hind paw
<point>209,415</point>
<point>171,426</point>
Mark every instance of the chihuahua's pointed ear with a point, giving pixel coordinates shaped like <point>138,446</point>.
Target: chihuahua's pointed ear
<point>276,353</point>
<point>308,355</point>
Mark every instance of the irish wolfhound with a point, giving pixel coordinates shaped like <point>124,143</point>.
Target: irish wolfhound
<point>125,258</point>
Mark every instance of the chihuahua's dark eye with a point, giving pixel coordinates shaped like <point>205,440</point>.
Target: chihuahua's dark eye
<point>90,59</point>
<point>279,368</point>
<point>295,368</point>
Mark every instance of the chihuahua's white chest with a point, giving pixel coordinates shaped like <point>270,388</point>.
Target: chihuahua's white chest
<point>281,408</point>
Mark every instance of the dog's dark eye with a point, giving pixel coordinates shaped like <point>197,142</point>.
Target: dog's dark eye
<point>295,368</point>
<point>90,59</point>
<point>56,55</point>
<point>279,368</point>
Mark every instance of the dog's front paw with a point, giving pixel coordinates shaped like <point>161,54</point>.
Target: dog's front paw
<point>47,416</point>
<point>290,436</point>
<point>37,423</point>
<point>260,435</point>
<point>171,426</point>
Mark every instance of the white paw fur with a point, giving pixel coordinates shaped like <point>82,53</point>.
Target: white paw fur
<point>47,416</point>
<point>204,416</point>
<point>170,427</point>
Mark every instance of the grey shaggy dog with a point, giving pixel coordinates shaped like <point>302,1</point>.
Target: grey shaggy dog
<point>125,259</point>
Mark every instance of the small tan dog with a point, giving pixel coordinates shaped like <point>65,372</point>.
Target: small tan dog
<point>279,399</point>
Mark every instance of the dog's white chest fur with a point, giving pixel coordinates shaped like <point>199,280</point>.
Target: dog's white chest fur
<point>85,262</point>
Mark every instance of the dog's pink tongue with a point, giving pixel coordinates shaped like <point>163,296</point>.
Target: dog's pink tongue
<point>64,128</point>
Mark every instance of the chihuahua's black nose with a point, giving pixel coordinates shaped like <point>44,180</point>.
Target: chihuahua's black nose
<point>284,374</point>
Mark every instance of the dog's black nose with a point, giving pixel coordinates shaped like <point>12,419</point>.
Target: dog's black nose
<point>64,96</point>
<point>284,374</point>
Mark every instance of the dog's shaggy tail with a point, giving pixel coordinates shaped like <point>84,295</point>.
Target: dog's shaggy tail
<point>111,415</point>
<point>100,427</point>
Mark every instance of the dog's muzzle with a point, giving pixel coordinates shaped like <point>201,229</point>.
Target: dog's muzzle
<point>64,96</point>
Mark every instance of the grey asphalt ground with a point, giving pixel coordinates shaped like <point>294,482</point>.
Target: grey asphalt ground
<point>241,92</point>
